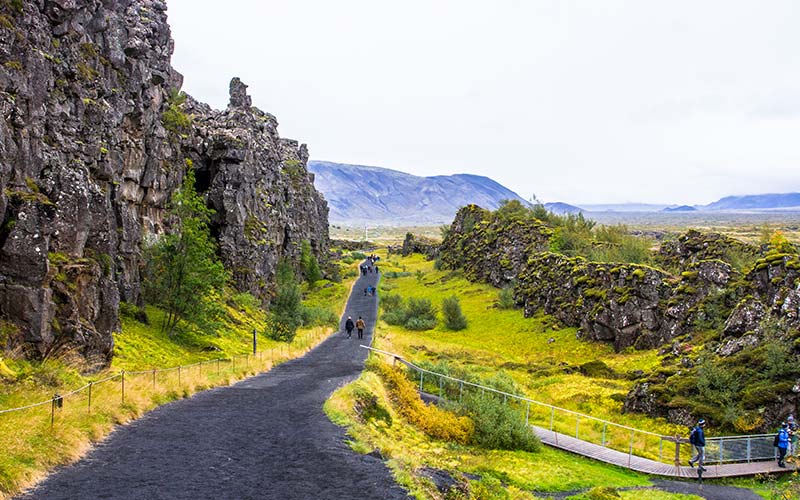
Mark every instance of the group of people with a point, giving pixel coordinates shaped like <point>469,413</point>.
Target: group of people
<point>368,268</point>
<point>359,325</point>
<point>785,441</point>
<point>370,290</point>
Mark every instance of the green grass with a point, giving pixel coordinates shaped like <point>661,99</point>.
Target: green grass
<point>31,446</point>
<point>499,340</point>
<point>542,356</point>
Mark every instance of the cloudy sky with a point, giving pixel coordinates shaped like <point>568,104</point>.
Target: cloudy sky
<point>579,101</point>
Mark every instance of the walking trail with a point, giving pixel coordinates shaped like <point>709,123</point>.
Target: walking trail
<point>265,437</point>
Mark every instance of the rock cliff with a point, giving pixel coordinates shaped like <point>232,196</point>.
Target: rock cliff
<point>94,139</point>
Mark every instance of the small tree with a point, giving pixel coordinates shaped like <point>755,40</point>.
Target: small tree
<point>285,311</point>
<point>308,261</point>
<point>183,269</point>
<point>454,319</point>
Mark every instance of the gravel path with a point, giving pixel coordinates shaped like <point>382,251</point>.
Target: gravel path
<point>265,437</point>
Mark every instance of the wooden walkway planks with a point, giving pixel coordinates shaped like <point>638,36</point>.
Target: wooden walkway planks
<point>647,466</point>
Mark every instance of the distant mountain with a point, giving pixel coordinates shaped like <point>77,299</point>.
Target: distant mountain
<point>757,202</point>
<point>624,207</point>
<point>359,194</point>
<point>682,208</point>
<point>560,208</point>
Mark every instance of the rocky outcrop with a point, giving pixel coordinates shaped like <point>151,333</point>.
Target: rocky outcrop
<point>492,248</point>
<point>94,139</point>
<point>258,185</point>
<point>695,246</point>
<point>416,244</point>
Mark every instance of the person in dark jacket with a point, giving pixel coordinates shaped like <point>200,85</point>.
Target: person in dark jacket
<point>698,439</point>
<point>783,443</point>
<point>349,325</point>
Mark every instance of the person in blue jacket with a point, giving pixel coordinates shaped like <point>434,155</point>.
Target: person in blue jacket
<point>782,441</point>
<point>698,439</point>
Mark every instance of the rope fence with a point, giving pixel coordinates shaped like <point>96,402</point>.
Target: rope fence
<point>611,435</point>
<point>152,384</point>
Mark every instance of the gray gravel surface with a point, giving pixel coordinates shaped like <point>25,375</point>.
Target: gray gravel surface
<point>263,438</point>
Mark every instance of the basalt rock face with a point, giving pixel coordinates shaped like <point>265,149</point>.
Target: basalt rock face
<point>87,169</point>
<point>258,185</point>
<point>694,246</point>
<point>491,248</point>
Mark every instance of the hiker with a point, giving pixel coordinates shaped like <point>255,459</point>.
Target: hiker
<point>373,291</point>
<point>697,438</point>
<point>782,443</point>
<point>793,435</point>
<point>376,269</point>
<point>366,291</point>
<point>370,269</point>
<point>348,325</point>
<point>360,325</point>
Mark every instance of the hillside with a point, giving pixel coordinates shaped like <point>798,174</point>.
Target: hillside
<point>756,202</point>
<point>358,194</point>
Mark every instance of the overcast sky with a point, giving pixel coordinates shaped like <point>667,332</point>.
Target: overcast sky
<point>578,101</point>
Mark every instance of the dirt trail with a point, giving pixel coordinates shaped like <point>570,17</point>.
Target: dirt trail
<point>265,437</point>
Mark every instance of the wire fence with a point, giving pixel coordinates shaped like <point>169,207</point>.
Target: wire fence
<point>611,435</point>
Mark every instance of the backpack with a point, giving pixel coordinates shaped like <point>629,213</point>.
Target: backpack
<point>693,436</point>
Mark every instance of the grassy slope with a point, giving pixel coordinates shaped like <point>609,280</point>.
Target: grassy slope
<point>30,447</point>
<point>500,340</point>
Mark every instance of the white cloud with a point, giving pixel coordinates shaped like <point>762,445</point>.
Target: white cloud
<point>579,101</point>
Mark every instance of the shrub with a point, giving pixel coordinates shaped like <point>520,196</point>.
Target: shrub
<point>173,118</point>
<point>505,298</point>
<point>498,426</point>
<point>308,261</point>
<point>413,314</point>
<point>285,310</point>
<point>318,316</point>
<point>434,421</point>
<point>454,319</point>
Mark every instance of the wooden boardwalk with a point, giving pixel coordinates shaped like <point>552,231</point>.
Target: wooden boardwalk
<point>647,466</point>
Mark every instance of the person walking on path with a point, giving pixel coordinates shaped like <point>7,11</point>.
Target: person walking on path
<point>782,442</point>
<point>698,439</point>
<point>360,325</point>
<point>348,325</point>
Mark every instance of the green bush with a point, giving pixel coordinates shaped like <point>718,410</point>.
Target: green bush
<point>498,426</point>
<point>505,298</point>
<point>454,318</point>
<point>413,314</point>
<point>318,316</point>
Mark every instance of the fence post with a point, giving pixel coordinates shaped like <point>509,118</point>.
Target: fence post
<point>460,391</point>
<point>441,380</point>
<point>528,414</point>
<point>90,397</point>
<point>552,416</point>
<point>630,449</point>
<point>233,363</point>
<point>421,377</point>
<point>179,374</point>
<point>661,448</point>
<point>53,411</point>
<point>603,439</point>
<point>748,449</point>
<point>721,446</point>
<point>678,451</point>
<point>577,421</point>
<point>154,378</point>
<point>123,386</point>
<point>217,366</point>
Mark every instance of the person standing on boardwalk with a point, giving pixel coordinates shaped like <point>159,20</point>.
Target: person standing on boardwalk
<point>698,439</point>
<point>360,325</point>
<point>348,325</point>
<point>782,442</point>
<point>791,427</point>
